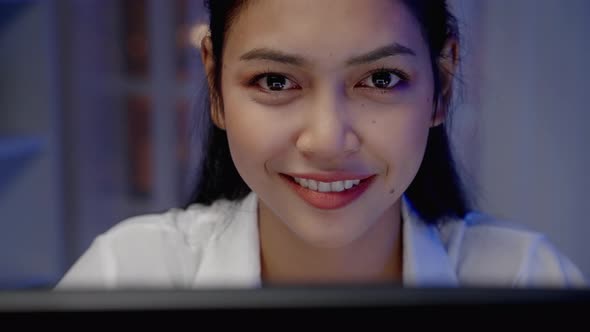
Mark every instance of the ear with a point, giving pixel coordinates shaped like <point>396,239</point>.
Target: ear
<point>214,97</point>
<point>447,65</point>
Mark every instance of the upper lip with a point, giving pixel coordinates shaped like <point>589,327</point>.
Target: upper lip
<point>330,177</point>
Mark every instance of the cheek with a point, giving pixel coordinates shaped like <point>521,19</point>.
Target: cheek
<point>402,138</point>
<point>416,126</point>
<point>399,137</point>
<point>256,135</point>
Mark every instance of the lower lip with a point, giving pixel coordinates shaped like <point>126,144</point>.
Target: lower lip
<point>329,200</point>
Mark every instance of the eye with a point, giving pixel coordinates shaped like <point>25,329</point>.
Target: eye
<point>274,82</point>
<point>381,79</point>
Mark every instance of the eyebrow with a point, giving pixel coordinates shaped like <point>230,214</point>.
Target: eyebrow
<point>379,53</point>
<point>297,60</point>
<point>273,55</point>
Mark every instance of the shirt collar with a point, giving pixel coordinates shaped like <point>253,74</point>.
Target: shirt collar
<point>425,259</point>
<point>232,258</point>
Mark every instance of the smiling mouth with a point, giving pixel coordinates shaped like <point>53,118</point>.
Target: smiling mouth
<point>328,195</point>
<point>325,187</point>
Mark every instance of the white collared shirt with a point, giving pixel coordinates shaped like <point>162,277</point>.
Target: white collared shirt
<point>218,246</point>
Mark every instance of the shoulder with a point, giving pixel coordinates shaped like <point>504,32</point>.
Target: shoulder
<point>489,251</point>
<point>192,226</point>
<point>152,250</point>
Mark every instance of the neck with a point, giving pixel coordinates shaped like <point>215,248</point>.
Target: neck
<point>374,257</point>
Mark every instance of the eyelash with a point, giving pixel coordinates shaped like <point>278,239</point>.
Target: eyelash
<point>253,82</point>
<point>403,77</point>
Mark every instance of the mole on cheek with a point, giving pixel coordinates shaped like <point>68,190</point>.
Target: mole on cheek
<point>392,190</point>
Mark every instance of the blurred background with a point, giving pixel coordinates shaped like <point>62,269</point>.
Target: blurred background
<point>98,100</point>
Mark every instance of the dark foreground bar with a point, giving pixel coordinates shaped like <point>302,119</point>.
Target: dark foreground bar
<point>345,303</point>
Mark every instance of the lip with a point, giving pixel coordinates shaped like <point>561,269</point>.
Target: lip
<point>329,200</point>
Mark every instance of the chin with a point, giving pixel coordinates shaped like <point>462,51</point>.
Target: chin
<point>328,237</point>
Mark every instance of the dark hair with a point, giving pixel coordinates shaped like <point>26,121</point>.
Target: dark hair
<point>435,193</point>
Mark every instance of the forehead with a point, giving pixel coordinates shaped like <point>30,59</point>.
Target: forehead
<point>323,29</point>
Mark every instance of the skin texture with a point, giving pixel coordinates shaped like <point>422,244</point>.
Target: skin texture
<point>328,115</point>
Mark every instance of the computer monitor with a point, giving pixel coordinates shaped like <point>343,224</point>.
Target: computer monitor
<point>338,301</point>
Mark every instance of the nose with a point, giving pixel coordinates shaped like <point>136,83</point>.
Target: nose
<point>328,134</point>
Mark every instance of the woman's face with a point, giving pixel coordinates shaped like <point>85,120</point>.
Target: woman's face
<point>327,107</point>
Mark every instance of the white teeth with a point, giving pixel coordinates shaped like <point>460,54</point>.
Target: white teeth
<point>312,184</point>
<point>336,186</point>
<point>304,183</point>
<point>347,184</point>
<point>324,187</point>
